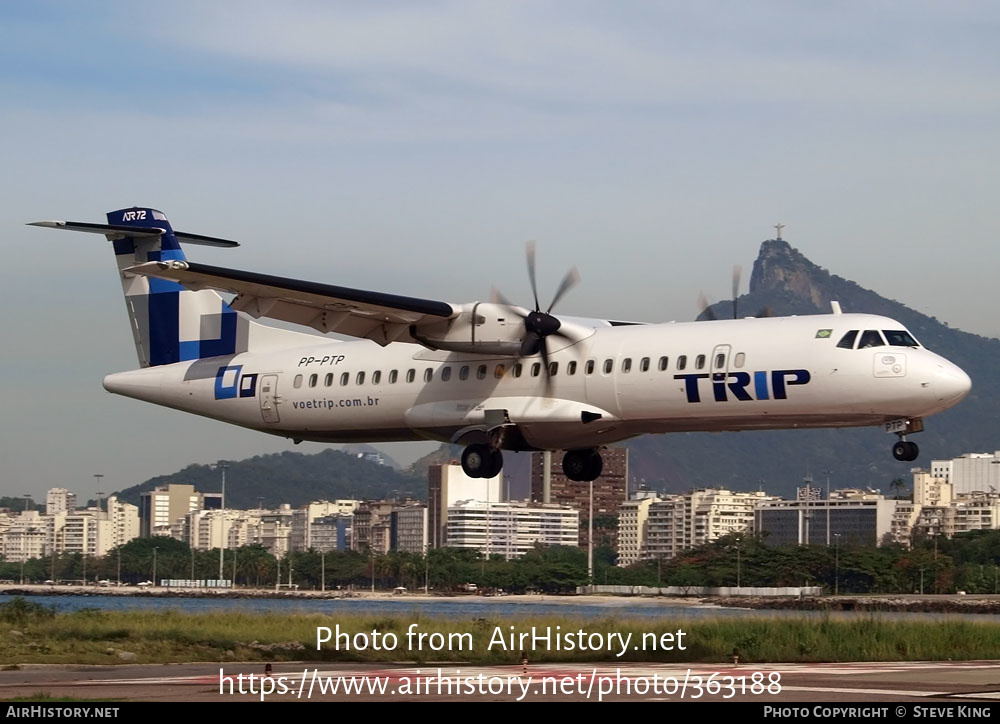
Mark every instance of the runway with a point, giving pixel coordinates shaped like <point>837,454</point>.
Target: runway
<point>962,683</point>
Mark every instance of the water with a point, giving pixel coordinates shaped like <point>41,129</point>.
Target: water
<point>464,608</point>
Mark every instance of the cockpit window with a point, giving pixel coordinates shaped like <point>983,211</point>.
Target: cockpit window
<point>899,338</point>
<point>847,341</point>
<point>870,338</point>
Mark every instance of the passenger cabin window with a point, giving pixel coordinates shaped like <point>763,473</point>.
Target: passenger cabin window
<point>328,380</point>
<point>682,362</point>
<point>553,368</point>
<point>664,361</point>
<point>411,375</point>
<point>361,378</point>
<point>847,341</point>
<point>627,364</point>
<point>376,377</point>
<point>720,361</point>
<point>463,374</point>
<point>571,368</point>
<point>899,338</point>
<point>498,371</point>
<point>312,380</point>
<point>393,376</point>
<point>297,382</point>
<point>590,367</point>
<point>535,369</point>
<point>870,338</point>
<point>345,378</point>
<point>518,369</point>
<point>609,365</point>
<point>644,365</point>
<point>445,374</point>
<point>739,360</point>
<point>699,362</point>
<point>481,372</point>
<point>428,374</point>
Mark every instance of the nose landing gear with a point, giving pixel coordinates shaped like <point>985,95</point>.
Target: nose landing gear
<point>903,450</point>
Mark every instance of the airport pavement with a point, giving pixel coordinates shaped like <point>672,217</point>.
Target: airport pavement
<point>965,682</point>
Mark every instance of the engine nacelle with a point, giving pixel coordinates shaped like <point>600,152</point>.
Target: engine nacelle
<point>480,328</point>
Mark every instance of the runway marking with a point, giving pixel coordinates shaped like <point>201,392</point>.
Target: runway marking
<point>626,671</point>
<point>978,695</point>
<point>878,692</point>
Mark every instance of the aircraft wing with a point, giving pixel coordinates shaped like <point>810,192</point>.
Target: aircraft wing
<point>378,316</point>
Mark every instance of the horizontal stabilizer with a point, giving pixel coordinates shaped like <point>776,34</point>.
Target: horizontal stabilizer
<point>120,232</point>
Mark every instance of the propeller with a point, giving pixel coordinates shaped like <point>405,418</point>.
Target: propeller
<point>706,307</point>
<point>539,325</point>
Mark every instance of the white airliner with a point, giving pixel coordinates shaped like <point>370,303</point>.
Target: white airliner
<point>489,375</point>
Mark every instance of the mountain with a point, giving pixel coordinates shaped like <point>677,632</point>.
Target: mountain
<point>786,282</point>
<point>294,478</point>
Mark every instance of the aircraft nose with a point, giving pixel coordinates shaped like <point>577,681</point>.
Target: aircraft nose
<point>951,383</point>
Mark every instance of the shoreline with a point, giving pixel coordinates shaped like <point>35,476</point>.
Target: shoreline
<point>42,590</point>
<point>915,603</point>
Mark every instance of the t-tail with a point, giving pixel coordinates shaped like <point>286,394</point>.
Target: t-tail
<point>169,322</point>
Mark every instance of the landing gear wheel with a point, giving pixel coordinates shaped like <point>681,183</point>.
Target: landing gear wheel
<point>595,465</point>
<point>476,459</point>
<point>905,451</point>
<point>582,466</point>
<point>494,464</point>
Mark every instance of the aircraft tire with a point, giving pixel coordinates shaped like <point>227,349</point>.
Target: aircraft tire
<point>574,464</point>
<point>595,465</point>
<point>477,459</point>
<point>582,466</point>
<point>494,464</point>
<point>905,451</point>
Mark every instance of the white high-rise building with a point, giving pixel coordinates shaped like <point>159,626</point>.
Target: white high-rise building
<point>304,516</point>
<point>448,484</point>
<point>59,500</point>
<point>124,519</point>
<point>510,529</point>
<point>25,538</point>
<point>208,529</point>
<point>679,522</point>
<point>632,528</point>
<point>970,473</point>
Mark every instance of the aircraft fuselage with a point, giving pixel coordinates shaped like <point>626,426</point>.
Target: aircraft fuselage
<point>617,383</point>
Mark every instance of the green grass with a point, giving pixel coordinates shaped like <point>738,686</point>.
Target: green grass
<point>98,637</point>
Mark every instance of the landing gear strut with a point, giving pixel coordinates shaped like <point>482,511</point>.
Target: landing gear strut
<point>481,461</point>
<point>582,466</point>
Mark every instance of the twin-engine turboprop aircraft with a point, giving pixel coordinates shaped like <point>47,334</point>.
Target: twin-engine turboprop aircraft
<point>490,375</point>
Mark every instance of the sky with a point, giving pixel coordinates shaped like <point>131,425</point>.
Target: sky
<point>414,147</point>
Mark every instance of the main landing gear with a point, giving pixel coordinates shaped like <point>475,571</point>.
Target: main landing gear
<point>482,461</point>
<point>582,466</point>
